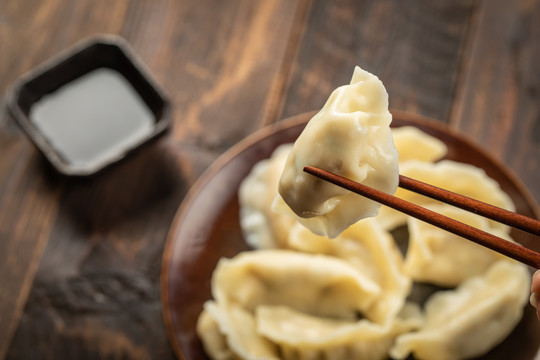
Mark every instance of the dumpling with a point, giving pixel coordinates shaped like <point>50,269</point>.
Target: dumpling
<point>460,178</point>
<point>213,340</point>
<point>315,284</point>
<point>262,227</point>
<point>304,337</point>
<point>350,136</point>
<point>471,320</point>
<point>414,144</point>
<point>439,257</point>
<point>373,252</point>
<point>228,332</point>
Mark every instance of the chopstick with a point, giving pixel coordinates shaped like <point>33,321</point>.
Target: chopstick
<point>505,247</point>
<point>504,216</point>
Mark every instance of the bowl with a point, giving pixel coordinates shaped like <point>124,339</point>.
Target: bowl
<point>90,106</point>
<point>206,228</point>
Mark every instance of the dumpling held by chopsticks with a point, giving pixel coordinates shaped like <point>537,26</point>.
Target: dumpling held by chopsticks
<point>351,137</point>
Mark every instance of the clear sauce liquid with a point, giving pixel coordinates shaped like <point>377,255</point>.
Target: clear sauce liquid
<point>93,119</point>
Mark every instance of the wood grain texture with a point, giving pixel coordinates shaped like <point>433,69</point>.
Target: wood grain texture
<point>95,294</point>
<point>96,288</point>
<point>27,206</point>
<point>27,210</point>
<point>223,67</point>
<point>414,49</point>
<point>498,97</point>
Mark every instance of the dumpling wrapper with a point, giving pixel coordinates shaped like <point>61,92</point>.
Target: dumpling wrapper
<point>351,137</point>
<point>471,320</point>
<point>439,257</point>
<point>228,332</point>
<point>315,284</point>
<point>305,337</point>
<point>460,178</point>
<point>373,252</point>
<point>262,227</point>
<point>213,340</point>
<point>414,144</point>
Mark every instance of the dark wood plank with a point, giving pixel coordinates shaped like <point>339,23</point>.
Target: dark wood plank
<point>413,48</point>
<point>27,210</point>
<point>499,96</point>
<point>220,61</point>
<point>27,205</point>
<point>95,293</point>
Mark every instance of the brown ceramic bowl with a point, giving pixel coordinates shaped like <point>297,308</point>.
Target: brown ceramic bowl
<point>207,228</point>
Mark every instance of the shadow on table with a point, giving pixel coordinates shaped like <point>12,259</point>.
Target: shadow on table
<point>128,190</point>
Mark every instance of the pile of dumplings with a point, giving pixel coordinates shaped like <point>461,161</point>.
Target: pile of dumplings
<point>301,295</point>
<point>298,295</point>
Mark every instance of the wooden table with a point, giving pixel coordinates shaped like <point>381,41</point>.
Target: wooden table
<point>80,258</point>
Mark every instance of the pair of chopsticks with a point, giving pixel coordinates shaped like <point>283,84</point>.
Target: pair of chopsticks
<point>505,247</point>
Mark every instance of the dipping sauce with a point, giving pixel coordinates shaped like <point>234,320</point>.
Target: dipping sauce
<point>94,119</point>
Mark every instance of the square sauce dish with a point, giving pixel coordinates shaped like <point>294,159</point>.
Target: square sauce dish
<point>90,106</point>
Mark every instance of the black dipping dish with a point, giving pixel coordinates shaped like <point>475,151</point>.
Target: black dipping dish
<point>38,91</point>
